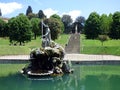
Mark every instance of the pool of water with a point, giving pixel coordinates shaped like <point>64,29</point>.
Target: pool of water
<point>79,80</point>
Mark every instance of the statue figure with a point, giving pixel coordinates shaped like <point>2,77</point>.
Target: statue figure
<point>46,35</point>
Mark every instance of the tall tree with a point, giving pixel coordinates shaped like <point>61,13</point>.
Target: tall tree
<point>32,15</point>
<point>55,16</point>
<point>110,22</point>
<point>80,21</point>
<point>20,29</point>
<point>115,30</point>
<point>92,26</point>
<point>35,26</point>
<point>2,28</point>
<point>55,27</point>
<point>105,24</point>
<point>0,13</point>
<point>29,10</point>
<point>41,15</point>
<point>67,20</point>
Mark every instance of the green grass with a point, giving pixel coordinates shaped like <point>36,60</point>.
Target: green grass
<point>6,49</point>
<point>110,47</point>
<point>62,40</point>
<point>8,69</point>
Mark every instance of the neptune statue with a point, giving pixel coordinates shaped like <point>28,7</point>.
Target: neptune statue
<point>48,60</point>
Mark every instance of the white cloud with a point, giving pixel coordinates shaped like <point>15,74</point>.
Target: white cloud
<point>74,14</point>
<point>48,12</point>
<point>7,8</point>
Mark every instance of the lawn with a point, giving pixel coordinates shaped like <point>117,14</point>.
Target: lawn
<point>6,49</point>
<point>88,46</point>
<point>110,47</point>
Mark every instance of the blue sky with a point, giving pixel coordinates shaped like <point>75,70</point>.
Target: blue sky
<point>11,8</point>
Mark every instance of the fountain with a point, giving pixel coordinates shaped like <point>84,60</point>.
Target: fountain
<point>48,60</point>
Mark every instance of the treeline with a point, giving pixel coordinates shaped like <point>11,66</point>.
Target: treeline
<point>102,25</point>
<point>23,28</point>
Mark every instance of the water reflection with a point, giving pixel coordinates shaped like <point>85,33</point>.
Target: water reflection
<point>66,82</point>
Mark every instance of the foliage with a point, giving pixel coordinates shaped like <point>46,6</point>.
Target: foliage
<point>92,26</point>
<point>115,29</point>
<point>67,20</point>
<point>35,26</point>
<point>2,28</point>
<point>105,23</point>
<point>80,22</point>
<point>41,15</point>
<point>20,29</point>
<point>29,10</point>
<point>31,15</point>
<point>55,16</point>
<point>103,38</point>
<point>55,26</point>
<point>80,19</point>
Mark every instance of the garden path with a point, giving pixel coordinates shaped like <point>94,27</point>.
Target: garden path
<point>73,45</point>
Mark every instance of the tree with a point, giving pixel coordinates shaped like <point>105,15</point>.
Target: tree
<point>19,29</point>
<point>110,22</point>
<point>29,10</point>
<point>6,30</point>
<point>55,27</point>
<point>80,21</point>
<point>67,20</point>
<point>0,13</point>
<point>92,26</point>
<point>32,15</point>
<point>41,15</point>
<point>35,26</point>
<point>103,38</point>
<point>115,29</point>
<point>105,24</point>
<point>55,16</point>
<point>2,28</point>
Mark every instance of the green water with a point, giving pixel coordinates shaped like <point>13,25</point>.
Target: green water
<point>83,78</point>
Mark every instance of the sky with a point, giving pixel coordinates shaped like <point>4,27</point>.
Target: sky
<point>74,8</point>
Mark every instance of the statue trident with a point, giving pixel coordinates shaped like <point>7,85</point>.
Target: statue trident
<point>46,35</point>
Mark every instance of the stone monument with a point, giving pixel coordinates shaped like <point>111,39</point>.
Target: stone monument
<point>48,60</point>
